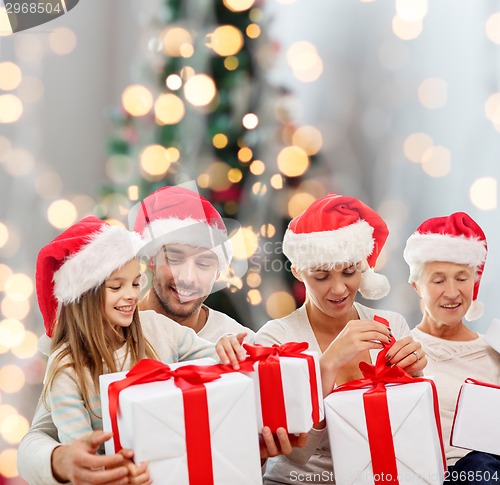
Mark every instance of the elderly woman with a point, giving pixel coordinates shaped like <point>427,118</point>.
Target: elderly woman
<point>446,257</point>
<point>333,246</point>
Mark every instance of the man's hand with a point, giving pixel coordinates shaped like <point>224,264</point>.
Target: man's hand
<point>279,444</point>
<point>79,463</point>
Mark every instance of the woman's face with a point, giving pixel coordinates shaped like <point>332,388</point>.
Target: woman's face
<point>332,290</point>
<point>446,290</point>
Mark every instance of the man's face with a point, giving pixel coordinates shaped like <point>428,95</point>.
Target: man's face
<point>183,277</point>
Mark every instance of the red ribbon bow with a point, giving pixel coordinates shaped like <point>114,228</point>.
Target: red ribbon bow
<point>190,379</point>
<point>271,384</point>
<point>378,422</point>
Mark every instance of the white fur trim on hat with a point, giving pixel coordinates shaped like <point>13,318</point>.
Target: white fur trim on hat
<point>351,243</point>
<point>200,234</point>
<point>475,311</point>
<point>106,251</point>
<point>423,248</point>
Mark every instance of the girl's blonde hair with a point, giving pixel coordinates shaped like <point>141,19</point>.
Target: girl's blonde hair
<point>84,345</point>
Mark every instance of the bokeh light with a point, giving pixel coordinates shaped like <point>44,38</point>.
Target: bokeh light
<point>11,378</point>
<point>436,161</point>
<point>235,175</point>
<point>48,184</point>
<point>17,309</point>
<point>18,286</point>
<point>8,459</point>
<point>10,76</point>
<point>225,40</point>
<point>433,93</point>
<point>416,145</point>
<point>254,280</point>
<point>254,297</point>
<point>12,332</point>
<point>277,181</point>
<point>406,30</point>
<point>492,108</point>
<point>246,244</point>
<point>250,121</point>
<point>13,428</point>
<point>155,161</point>
<point>245,154</point>
<point>483,193</point>
<point>231,63</point>
<point>219,140</point>
<point>280,304</point>
<point>308,138</point>
<point>298,203</point>
<point>200,90</point>
<point>133,192</point>
<point>169,109</point>
<point>173,82</point>
<point>177,42</point>
<point>19,162</point>
<point>137,100</point>
<point>11,108</point>
<point>62,40</point>
<point>412,10</point>
<point>218,176</point>
<point>293,161</point>
<point>253,31</point>
<point>267,230</point>
<point>259,188</point>
<point>257,167</point>
<point>28,347</point>
<point>5,272</point>
<point>492,28</point>
<point>4,234</point>
<point>305,61</point>
<point>238,5</point>
<point>61,214</point>
<point>5,27</point>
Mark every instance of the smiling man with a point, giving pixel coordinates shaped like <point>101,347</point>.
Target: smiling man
<point>188,248</point>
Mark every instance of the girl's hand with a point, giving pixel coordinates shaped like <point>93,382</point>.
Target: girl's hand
<point>138,474</point>
<point>407,354</point>
<point>230,350</point>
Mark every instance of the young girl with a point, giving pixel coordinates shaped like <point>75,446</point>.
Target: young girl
<point>333,246</point>
<point>91,271</point>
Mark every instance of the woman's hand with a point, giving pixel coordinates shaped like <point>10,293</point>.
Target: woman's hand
<point>407,354</point>
<point>230,350</point>
<point>356,337</point>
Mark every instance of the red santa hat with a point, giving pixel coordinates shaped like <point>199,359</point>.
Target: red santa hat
<point>178,215</point>
<point>339,229</point>
<point>78,260</point>
<point>452,239</point>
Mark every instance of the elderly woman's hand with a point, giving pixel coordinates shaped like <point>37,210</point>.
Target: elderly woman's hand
<point>407,354</point>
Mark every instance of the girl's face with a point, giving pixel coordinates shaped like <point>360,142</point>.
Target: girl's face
<point>332,290</point>
<point>446,290</point>
<point>121,294</point>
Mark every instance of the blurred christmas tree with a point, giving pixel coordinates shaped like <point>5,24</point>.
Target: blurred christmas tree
<point>207,114</point>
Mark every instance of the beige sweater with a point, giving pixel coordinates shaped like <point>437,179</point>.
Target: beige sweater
<point>450,363</point>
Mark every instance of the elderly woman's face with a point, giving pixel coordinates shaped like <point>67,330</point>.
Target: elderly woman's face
<point>446,290</point>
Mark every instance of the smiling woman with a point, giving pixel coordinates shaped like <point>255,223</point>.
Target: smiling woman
<point>446,256</point>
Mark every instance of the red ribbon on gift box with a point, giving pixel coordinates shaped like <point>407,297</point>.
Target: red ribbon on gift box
<point>190,379</point>
<point>377,417</point>
<point>271,384</point>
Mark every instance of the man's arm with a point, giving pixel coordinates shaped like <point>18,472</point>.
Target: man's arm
<point>42,460</point>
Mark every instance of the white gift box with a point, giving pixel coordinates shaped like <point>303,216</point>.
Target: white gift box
<point>476,425</point>
<point>416,436</point>
<point>151,422</point>
<point>297,393</point>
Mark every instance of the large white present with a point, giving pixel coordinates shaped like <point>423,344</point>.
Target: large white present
<point>196,434</point>
<point>476,425</point>
<point>288,386</point>
<point>385,433</point>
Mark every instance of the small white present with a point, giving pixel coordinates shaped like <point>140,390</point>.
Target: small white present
<point>288,386</point>
<point>190,432</point>
<point>476,425</point>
